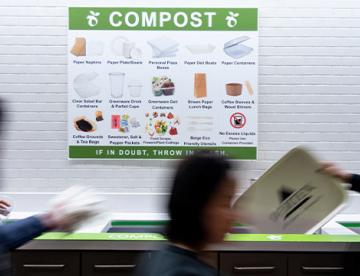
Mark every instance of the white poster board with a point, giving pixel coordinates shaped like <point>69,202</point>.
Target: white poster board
<point>160,82</point>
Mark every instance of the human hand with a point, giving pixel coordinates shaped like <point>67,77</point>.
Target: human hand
<point>5,207</point>
<point>71,208</point>
<point>333,170</point>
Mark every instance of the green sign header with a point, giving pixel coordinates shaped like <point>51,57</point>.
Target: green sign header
<point>174,19</point>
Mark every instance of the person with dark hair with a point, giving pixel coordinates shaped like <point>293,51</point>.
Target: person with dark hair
<point>344,176</point>
<point>200,214</point>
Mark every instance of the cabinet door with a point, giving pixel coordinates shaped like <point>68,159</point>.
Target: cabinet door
<point>45,263</point>
<point>258,264</point>
<point>356,260</point>
<point>321,264</point>
<point>110,263</point>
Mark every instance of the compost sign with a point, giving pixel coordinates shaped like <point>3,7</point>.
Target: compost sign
<point>161,82</point>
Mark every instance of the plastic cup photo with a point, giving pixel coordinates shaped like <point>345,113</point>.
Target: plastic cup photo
<point>117,84</point>
<point>134,88</point>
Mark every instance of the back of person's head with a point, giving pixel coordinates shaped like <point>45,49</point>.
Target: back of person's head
<point>196,181</point>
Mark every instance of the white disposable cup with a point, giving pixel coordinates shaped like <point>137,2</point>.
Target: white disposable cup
<point>127,47</point>
<point>117,84</point>
<point>135,90</point>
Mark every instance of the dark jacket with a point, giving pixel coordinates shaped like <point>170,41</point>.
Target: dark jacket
<point>15,234</point>
<point>175,261</point>
<point>355,182</point>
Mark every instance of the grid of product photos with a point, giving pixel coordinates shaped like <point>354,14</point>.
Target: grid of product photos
<point>163,88</point>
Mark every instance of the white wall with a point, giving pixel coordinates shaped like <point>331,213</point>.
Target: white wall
<point>309,94</point>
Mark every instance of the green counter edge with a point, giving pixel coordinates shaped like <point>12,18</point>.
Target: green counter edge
<point>228,238</point>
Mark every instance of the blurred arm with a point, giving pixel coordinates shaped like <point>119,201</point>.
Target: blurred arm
<point>17,233</point>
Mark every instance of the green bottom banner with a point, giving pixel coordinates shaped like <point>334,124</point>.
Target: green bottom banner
<point>144,152</point>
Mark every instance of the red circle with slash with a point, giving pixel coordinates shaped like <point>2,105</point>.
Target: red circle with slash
<point>237,120</point>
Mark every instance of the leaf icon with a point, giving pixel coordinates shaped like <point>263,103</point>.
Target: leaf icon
<point>231,19</point>
<point>233,14</point>
<point>92,18</point>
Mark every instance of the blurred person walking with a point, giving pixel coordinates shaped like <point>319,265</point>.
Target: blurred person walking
<point>61,216</point>
<point>200,215</point>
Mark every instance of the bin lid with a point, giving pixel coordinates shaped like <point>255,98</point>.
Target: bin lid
<point>293,196</point>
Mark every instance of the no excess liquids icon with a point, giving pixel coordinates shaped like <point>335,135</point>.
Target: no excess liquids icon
<point>237,120</point>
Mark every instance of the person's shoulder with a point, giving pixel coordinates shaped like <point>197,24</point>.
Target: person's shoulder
<point>193,271</point>
<point>183,264</point>
<point>172,261</point>
<point>185,270</point>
